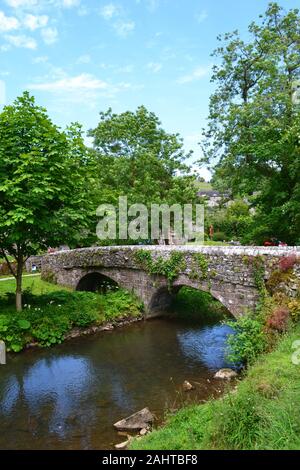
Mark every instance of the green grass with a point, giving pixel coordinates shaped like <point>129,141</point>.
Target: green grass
<point>201,186</point>
<point>34,283</point>
<point>263,414</point>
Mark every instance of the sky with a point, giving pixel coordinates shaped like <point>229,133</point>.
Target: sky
<point>80,57</point>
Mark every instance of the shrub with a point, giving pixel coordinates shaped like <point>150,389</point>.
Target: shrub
<point>247,342</point>
<point>279,319</point>
<point>287,262</point>
<point>294,308</point>
<point>47,318</point>
<point>219,237</point>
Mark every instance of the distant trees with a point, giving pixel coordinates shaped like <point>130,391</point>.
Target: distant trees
<point>43,184</point>
<point>254,122</point>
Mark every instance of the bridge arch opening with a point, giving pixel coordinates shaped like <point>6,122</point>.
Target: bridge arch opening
<point>96,282</point>
<point>188,302</point>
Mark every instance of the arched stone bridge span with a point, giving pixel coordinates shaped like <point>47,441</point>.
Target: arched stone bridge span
<point>154,273</point>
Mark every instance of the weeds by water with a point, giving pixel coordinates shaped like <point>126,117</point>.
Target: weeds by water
<point>48,317</point>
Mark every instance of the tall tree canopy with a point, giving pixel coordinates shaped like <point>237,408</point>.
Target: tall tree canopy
<point>42,185</point>
<point>135,157</point>
<point>252,139</point>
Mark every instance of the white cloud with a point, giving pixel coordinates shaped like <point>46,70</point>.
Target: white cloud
<point>109,11</point>
<point>34,22</point>
<point>21,3</point>
<point>200,17</point>
<point>8,23</point>
<point>40,60</point>
<point>84,59</point>
<point>126,69</point>
<point>154,66</point>
<point>123,28</point>
<point>21,41</point>
<point>84,89</point>
<point>5,47</point>
<point>197,74</point>
<point>85,81</point>
<point>151,5</point>
<point>116,16</point>
<point>49,35</point>
<point>70,3</point>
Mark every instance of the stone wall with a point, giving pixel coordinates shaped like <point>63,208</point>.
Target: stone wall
<point>232,274</point>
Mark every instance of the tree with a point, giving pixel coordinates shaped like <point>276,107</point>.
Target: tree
<point>135,157</point>
<point>253,133</point>
<point>42,185</point>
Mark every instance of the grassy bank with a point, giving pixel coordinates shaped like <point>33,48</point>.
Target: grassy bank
<point>51,312</point>
<point>262,414</point>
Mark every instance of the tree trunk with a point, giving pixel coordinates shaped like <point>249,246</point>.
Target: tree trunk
<point>19,284</point>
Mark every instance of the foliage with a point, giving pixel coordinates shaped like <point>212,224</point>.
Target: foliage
<point>254,122</point>
<point>198,266</point>
<point>231,222</point>
<point>294,309</point>
<point>219,237</point>
<point>260,415</point>
<point>42,184</point>
<point>196,305</point>
<point>248,342</point>
<point>135,157</point>
<point>279,319</point>
<point>47,318</point>
<point>287,262</point>
<point>168,267</point>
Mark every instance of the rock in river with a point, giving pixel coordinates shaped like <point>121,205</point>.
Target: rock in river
<point>136,422</point>
<point>187,386</point>
<point>226,374</point>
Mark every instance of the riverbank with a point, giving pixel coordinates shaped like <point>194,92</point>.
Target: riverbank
<point>51,315</point>
<point>262,414</point>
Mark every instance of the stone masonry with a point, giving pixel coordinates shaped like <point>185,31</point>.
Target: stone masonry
<point>231,272</point>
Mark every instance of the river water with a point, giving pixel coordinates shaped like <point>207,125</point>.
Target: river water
<point>69,396</point>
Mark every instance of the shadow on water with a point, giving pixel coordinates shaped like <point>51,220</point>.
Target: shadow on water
<point>68,397</point>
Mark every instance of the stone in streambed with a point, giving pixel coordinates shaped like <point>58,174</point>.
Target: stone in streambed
<point>187,386</point>
<point>225,374</point>
<point>140,420</point>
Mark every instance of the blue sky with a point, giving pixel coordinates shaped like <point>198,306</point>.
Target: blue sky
<point>79,57</point>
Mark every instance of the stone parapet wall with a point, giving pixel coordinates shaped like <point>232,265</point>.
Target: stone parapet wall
<point>231,275</point>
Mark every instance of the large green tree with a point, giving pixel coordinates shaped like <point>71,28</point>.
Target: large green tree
<point>252,139</point>
<point>42,185</point>
<point>135,157</point>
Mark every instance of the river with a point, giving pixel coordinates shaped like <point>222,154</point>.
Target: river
<point>69,396</point>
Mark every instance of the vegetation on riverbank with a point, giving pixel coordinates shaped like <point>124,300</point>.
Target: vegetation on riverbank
<point>192,304</point>
<point>50,313</point>
<point>263,413</point>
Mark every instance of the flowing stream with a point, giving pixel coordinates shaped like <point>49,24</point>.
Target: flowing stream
<point>69,396</point>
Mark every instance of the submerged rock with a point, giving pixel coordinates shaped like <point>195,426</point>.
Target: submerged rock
<point>187,386</point>
<point>140,420</point>
<point>226,374</point>
<point>123,445</point>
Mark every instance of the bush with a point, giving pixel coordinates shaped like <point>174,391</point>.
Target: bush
<point>219,237</point>
<point>287,262</point>
<point>248,341</point>
<point>47,318</point>
<point>279,319</point>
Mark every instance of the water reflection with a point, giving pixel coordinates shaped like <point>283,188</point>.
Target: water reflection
<point>207,345</point>
<point>69,396</point>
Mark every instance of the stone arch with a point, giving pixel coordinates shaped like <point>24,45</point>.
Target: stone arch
<point>161,300</point>
<point>96,282</point>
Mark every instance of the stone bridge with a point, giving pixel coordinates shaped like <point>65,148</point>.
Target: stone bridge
<point>233,275</point>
